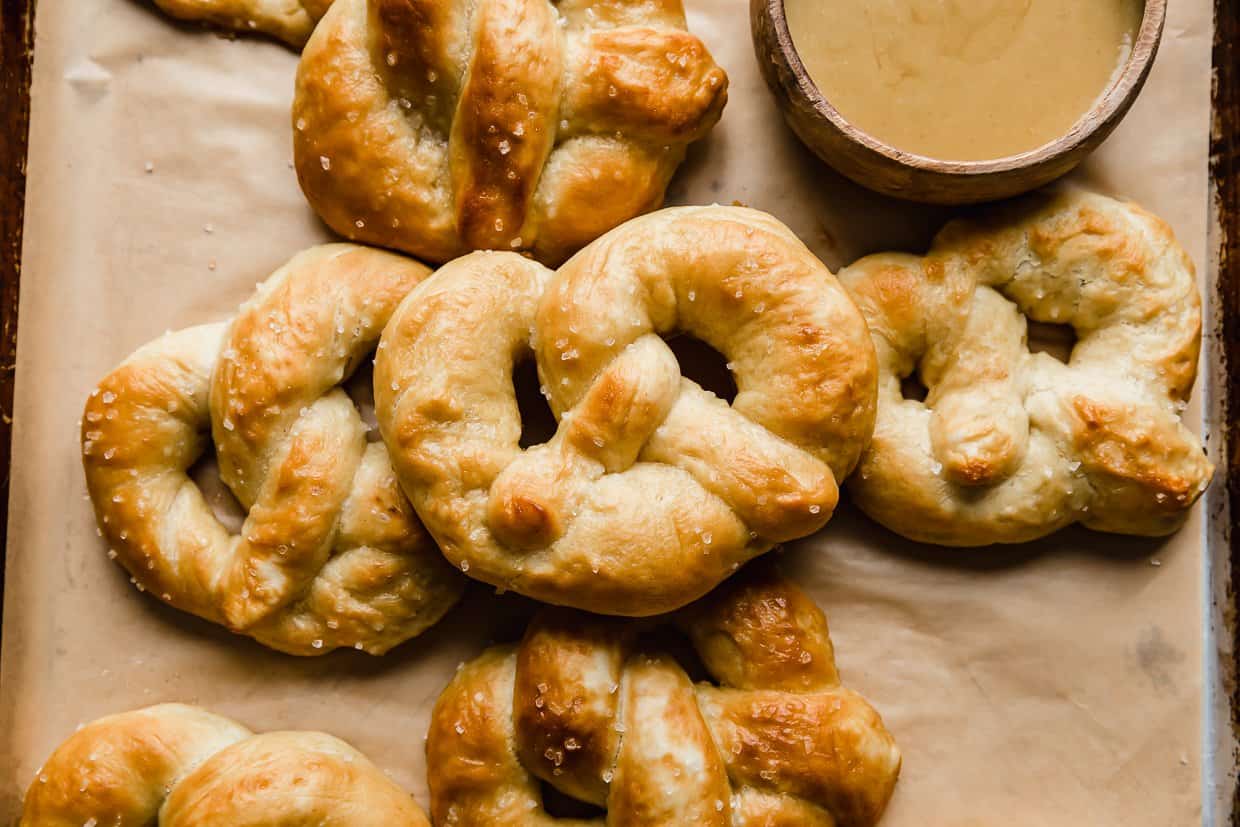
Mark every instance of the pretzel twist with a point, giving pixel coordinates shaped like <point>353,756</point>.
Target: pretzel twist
<point>444,126</point>
<point>331,554</point>
<point>181,766</point>
<point>289,20</point>
<point>652,489</point>
<point>1011,445</point>
<point>581,705</point>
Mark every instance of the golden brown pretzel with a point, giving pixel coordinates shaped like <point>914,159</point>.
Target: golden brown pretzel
<point>331,554</point>
<point>444,126</point>
<point>181,766</point>
<point>1011,445</point>
<point>289,20</point>
<point>652,490</point>
<point>582,705</point>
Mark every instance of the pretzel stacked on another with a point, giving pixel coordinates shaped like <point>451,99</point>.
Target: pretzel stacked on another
<point>443,126</point>
<point>181,766</point>
<point>583,706</point>
<point>331,553</point>
<point>289,20</point>
<point>1011,445</point>
<point>652,490</point>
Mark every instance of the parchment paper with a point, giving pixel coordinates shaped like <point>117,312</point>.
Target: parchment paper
<point>1053,684</point>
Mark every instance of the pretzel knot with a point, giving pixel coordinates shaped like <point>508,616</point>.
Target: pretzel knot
<point>1011,445</point>
<point>652,490</point>
<point>289,20</point>
<point>180,765</point>
<point>582,705</point>
<point>444,126</point>
<point>331,554</point>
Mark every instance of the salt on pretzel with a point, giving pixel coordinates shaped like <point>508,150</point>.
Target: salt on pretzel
<point>582,705</point>
<point>289,20</point>
<point>443,126</point>
<point>653,490</point>
<point>331,554</point>
<point>1011,445</point>
<point>181,766</point>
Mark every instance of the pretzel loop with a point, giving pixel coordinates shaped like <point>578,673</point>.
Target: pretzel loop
<point>652,489</point>
<point>1011,445</point>
<point>176,765</point>
<point>443,127</point>
<point>582,706</point>
<point>330,552</point>
<point>743,284</point>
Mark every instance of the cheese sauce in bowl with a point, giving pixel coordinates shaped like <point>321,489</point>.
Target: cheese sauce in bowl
<point>955,101</point>
<point>963,80</point>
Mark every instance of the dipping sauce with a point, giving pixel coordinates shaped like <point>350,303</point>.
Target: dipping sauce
<point>963,80</point>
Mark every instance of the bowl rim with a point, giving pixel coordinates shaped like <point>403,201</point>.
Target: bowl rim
<point>1112,103</point>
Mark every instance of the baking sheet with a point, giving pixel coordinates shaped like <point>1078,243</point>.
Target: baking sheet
<point>1055,683</point>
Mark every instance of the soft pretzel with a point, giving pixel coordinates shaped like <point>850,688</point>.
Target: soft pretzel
<point>582,705</point>
<point>331,554</point>
<point>1011,445</point>
<point>181,766</point>
<point>652,490</point>
<point>444,126</point>
<point>289,20</point>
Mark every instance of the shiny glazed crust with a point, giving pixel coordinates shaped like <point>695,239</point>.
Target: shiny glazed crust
<point>652,490</point>
<point>331,554</point>
<point>289,20</point>
<point>584,706</point>
<point>443,126</point>
<point>1011,445</point>
<point>180,766</point>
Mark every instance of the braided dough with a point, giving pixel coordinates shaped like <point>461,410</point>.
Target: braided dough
<point>331,554</point>
<point>1011,445</point>
<point>289,20</point>
<point>582,706</point>
<point>444,126</point>
<point>652,490</point>
<point>180,766</point>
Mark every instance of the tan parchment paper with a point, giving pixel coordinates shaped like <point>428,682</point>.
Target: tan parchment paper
<point>1055,684</point>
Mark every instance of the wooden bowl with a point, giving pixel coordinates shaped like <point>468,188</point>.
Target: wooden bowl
<point>888,170</point>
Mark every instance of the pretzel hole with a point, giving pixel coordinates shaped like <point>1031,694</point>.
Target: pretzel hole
<point>1055,340</point>
<point>669,641</point>
<point>559,805</point>
<point>913,389</point>
<point>703,364</point>
<point>360,387</point>
<point>206,475</point>
<point>537,422</point>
